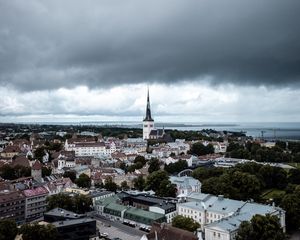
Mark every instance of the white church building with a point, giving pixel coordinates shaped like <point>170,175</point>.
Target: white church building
<point>149,130</point>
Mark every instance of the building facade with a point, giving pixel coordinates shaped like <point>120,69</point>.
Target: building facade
<point>220,217</point>
<point>35,204</point>
<point>12,206</point>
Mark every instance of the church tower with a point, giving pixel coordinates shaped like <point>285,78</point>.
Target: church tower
<point>148,122</point>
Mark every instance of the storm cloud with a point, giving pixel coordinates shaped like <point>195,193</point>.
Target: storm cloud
<point>56,44</point>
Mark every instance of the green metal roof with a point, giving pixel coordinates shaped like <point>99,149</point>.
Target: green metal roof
<point>115,207</point>
<point>144,214</point>
<point>107,200</point>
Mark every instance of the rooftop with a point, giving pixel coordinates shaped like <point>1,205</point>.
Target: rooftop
<point>144,214</point>
<point>59,212</point>
<point>73,222</point>
<point>35,192</point>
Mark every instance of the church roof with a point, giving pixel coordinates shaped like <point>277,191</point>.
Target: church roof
<point>148,110</point>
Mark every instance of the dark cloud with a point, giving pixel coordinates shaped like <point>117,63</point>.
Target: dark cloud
<point>52,44</point>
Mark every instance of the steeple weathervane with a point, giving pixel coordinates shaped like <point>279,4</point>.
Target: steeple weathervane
<point>148,110</point>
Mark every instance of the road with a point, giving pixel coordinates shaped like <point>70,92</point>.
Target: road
<point>117,229</point>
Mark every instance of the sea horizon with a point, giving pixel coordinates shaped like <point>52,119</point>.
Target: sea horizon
<point>270,130</point>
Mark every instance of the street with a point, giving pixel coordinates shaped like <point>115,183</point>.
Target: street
<point>117,229</point>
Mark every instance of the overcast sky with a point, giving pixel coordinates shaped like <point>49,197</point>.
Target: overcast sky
<point>212,60</point>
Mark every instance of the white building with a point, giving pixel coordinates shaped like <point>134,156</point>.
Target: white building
<point>186,185</point>
<point>220,217</point>
<point>188,158</point>
<point>167,209</point>
<point>90,148</point>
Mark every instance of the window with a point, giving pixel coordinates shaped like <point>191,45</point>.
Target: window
<point>219,235</point>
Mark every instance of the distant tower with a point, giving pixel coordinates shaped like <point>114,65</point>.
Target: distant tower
<point>148,122</point>
<point>36,171</point>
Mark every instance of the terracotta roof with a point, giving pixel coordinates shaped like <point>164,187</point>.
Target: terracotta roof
<point>81,140</point>
<point>12,148</point>
<point>22,161</point>
<point>8,196</point>
<point>167,232</point>
<point>37,165</point>
<point>35,191</point>
<point>88,144</point>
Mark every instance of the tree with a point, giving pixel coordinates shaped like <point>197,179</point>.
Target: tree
<point>185,223</point>
<point>291,204</point>
<point>154,165</point>
<point>71,175</point>
<point>199,149</point>
<point>38,232</point>
<point>166,189</point>
<point>159,182</point>
<point>294,176</point>
<point>139,183</point>
<point>110,185</point>
<point>84,181</point>
<point>261,228</point>
<point>60,200</point>
<point>8,230</point>
<point>79,203</point>
<point>46,171</point>
<point>140,159</point>
<point>176,167</point>
<point>82,203</point>
<point>124,185</point>
<point>39,153</point>
<point>8,172</point>
<point>202,173</point>
<point>155,178</point>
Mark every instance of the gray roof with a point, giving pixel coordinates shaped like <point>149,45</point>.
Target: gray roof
<point>246,212</point>
<point>184,182</point>
<point>63,213</point>
<point>72,222</point>
<point>99,193</point>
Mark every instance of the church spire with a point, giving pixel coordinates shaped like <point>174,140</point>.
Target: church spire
<point>148,110</point>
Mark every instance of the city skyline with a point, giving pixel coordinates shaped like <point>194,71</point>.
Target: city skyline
<point>203,61</point>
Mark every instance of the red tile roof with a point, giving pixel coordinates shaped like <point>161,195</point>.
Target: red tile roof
<point>37,165</point>
<point>22,161</point>
<point>35,192</point>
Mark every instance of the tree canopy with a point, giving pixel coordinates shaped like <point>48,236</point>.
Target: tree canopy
<point>185,223</point>
<point>83,181</point>
<point>78,203</point>
<point>261,228</point>
<point>154,165</point>
<point>13,172</point>
<point>176,167</point>
<point>199,149</point>
<point>159,182</point>
<point>139,183</point>
<point>8,230</point>
<point>38,232</point>
<point>110,185</point>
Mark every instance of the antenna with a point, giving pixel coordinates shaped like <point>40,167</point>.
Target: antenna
<point>262,134</point>
<point>274,131</point>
